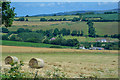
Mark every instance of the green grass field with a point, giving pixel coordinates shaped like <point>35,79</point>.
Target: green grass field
<point>28,44</point>
<point>102,28</point>
<point>87,39</point>
<point>104,16</point>
<point>80,39</point>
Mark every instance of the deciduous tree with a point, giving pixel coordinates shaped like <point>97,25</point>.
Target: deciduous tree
<point>7,14</point>
<point>91,29</point>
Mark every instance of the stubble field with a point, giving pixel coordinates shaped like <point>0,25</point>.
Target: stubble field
<point>75,63</point>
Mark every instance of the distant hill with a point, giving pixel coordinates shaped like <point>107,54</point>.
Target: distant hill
<point>75,12</point>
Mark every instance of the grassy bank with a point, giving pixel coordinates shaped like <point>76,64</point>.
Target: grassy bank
<point>29,44</point>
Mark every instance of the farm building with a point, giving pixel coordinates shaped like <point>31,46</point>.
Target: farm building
<point>52,39</point>
<point>96,48</point>
<point>82,47</point>
<point>102,40</point>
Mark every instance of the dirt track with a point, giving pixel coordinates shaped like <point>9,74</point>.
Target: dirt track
<point>18,49</point>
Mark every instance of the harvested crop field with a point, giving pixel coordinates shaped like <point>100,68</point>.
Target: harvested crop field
<point>19,23</point>
<point>73,62</point>
<point>16,49</point>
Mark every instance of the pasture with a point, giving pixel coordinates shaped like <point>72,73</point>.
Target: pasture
<point>74,63</point>
<point>29,44</point>
<point>102,28</point>
<point>88,39</point>
<point>103,16</point>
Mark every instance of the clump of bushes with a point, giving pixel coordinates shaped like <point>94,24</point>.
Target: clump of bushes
<point>62,42</point>
<point>20,19</point>
<point>5,37</point>
<point>31,37</point>
<point>14,71</point>
<point>4,30</point>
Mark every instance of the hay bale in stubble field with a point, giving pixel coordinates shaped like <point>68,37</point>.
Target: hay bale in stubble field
<point>36,63</point>
<point>11,59</point>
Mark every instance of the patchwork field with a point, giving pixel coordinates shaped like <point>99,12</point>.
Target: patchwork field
<point>102,28</point>
<point>103,16</point>
<point>75,63</point>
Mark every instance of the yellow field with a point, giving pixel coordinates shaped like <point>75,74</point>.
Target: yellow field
<point>14,49</point>
<point>21,23</point>
<point>103,64</point>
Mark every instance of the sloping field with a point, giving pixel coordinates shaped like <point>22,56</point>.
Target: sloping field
<point>88,39</point>
<point>102,28</point>
<point>17,49</point>
<point>29,44</point>
<point>104,16</point>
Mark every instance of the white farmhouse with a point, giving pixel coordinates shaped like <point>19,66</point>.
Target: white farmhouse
<point>82,47</point>
<point>102,40</point>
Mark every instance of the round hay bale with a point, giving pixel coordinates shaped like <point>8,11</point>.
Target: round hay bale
<point>11,59</point>
<point>36,63</point>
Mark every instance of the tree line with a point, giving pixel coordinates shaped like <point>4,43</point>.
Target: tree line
<point>21,19</point>
<point>56,32</point>
<point>48,33</point>
<point>73,20</point>
<point>110,12</point>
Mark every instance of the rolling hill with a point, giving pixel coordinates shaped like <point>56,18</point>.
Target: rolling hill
<point>75,12</point>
